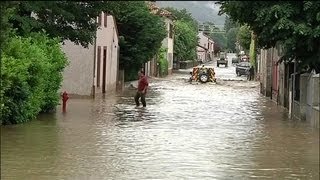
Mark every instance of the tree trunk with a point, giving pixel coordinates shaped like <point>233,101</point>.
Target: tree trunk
<point>252,53</point>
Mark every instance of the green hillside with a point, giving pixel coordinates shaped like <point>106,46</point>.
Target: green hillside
<point>200,10</point>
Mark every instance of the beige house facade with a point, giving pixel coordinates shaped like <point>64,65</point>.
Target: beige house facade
<point>208,43</point>
<point>151,67</point>
<point>168,43</point>
<point>201,53</point>
<point>93,71</point>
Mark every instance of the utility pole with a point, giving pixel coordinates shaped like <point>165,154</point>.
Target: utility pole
<point>293,86</point>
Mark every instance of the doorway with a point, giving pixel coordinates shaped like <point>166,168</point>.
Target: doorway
<point>104,67</point>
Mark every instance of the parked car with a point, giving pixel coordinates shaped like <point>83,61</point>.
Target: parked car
<point>242,68</point>
<point>203,74</point>
<point>235,60</point>
<point>223,61</point>
<point>244,58</point>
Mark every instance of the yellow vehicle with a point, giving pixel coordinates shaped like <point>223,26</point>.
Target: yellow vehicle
<point>203,74</point>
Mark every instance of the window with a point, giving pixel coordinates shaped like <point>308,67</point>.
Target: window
<point>105,19</point>
<point>98,66</point>
<point>170,31</point>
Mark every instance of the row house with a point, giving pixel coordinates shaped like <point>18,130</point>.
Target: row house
<point>152,67</point>
<point>93,71</point>
<point>208,43</point>
<point>202,53</point>
<point>281,82</point>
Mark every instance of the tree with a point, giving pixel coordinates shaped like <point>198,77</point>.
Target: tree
<point>186,35</point>
<point>219,39</point>
<point>229,23</point>
<point>186,41</point>
<point>293,24</point>
<point>252,52</point>
<point>69,20</point>
<point>141,34</point>
<point>183,15</point>
<point>244,37</point>
<point>232,39</point>
<point>6,12</point>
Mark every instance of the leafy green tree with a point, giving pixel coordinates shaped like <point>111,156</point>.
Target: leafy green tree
<point>244,37</point>
<point>186,41</point>
<point>183,15</point>
<point>72,20</point>
<point>141,34</point>
<point>163,61</point>
<point>229,23</point>
<point>6,12</point>
<point>293,24</point>
<point>186,34</point>
<point>232,39</point>
<point>219,39</point>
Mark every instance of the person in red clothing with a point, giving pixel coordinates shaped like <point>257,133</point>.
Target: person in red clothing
<point>142,89</point>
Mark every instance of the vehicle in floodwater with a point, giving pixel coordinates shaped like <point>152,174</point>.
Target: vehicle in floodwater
<point>202,74</point>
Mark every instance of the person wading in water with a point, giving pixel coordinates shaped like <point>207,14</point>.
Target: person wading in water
<point>142,89</point>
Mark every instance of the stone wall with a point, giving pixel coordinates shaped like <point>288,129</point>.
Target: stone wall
<point>188,64</point>
<point>307,108</point>
<point>312,104</point>
<point>78,75</point>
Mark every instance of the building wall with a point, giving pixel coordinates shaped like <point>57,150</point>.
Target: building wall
<point>312,99</point>
<point>107,38</point>
<point>78,76</point>
<point>278,77</point>
<point>203,40</point>
<point>201,54</point>
<point>169,40</point>
<point>207,43</point>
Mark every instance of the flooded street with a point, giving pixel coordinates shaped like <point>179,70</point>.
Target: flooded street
<point>187,131</point>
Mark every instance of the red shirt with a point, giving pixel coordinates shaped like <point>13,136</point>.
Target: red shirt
<point>142,83</point>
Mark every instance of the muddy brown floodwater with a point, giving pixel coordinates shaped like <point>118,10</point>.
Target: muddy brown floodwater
<point>222,131</point>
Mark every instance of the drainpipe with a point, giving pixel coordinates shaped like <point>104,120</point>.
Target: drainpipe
<point>293,87</point>
<point>94,66</point>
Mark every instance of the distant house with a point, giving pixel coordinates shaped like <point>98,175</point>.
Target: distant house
<point>208,43</point>
<point>93,71</point>
<point>151,67</point>
<point>202,53</point>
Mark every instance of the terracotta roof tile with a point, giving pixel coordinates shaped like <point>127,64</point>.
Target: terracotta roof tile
<point>156,10</point>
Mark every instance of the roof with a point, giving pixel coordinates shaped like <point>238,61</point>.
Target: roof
<point>202,47</point>
<point>159,11</point>
<point>201,33</point>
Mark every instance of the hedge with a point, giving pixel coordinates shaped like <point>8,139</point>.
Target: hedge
<point>163,62</point>
<point>31,76</point>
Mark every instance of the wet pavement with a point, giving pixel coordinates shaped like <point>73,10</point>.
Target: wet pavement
<point>187,131</point>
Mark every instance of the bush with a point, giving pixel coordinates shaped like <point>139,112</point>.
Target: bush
<point>131,74</point>
<point>163,62</point>
<point>30,77</point>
